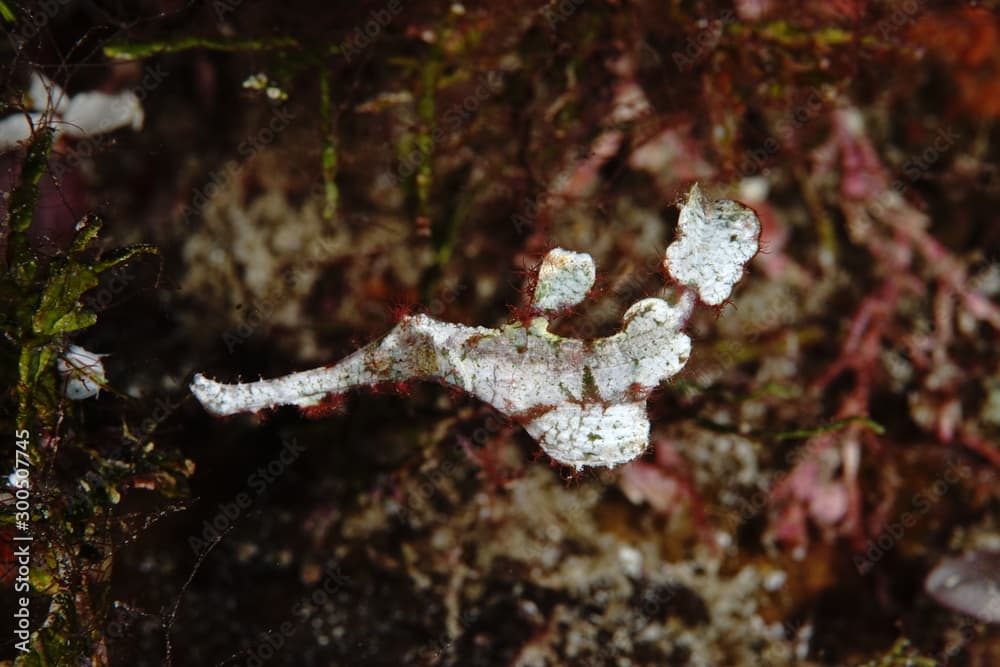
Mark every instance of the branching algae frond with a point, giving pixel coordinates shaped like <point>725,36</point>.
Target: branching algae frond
<point>583,401</point>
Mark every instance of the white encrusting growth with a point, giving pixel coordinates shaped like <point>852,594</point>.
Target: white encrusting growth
<point>717,238</point>
<point>83,114</point>
<point>583,401</point>
<point>82,372</point>
<point>564,279</point>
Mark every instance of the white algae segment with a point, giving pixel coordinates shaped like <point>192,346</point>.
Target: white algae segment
<point>563,280</point>
<point>716,239</point>
<point>83,114</point>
